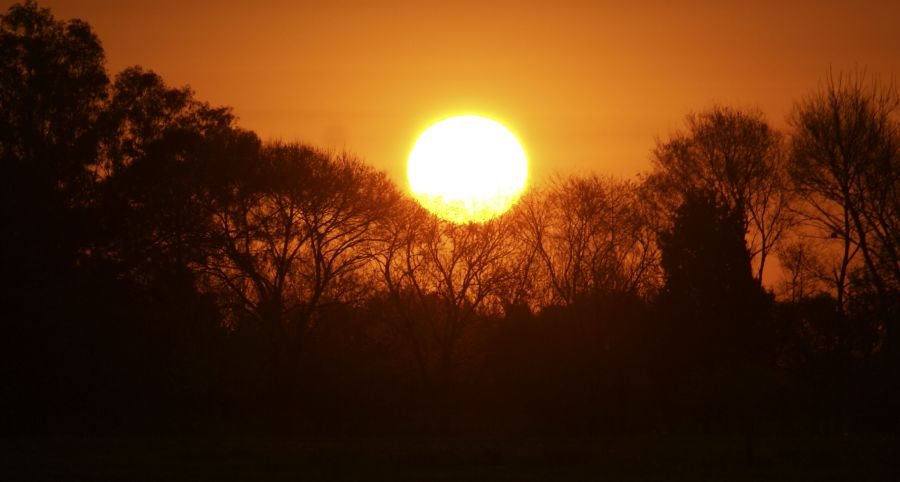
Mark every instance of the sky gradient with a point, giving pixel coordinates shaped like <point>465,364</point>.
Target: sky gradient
<point>587,87</point>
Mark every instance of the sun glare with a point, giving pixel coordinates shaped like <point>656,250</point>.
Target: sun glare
<point>467,169</point>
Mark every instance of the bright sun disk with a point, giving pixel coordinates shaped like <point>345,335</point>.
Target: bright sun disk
<point>467,169</point>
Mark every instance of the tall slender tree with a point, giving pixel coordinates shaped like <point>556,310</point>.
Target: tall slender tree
<point>846,164</point>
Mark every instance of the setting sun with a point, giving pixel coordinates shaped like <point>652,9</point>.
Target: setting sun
<point>467,169</point>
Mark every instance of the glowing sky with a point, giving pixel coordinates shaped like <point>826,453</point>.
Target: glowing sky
<point>584,85</point>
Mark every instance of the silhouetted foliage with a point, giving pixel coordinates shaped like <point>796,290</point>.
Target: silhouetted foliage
<point>717,315</point>
<point>166,270</point>
<point>52,89</point>
<point>737,155</point>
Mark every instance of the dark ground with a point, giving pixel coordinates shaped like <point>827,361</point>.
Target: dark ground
<point>430,459</point>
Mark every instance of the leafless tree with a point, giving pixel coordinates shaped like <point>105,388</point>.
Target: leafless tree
<point>803,271</point>
<point>442,276</point>
<point>296,239</point>
<point>845,165</point>
<point>591,235</point>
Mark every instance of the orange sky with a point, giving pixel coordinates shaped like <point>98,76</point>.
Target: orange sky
<point>587,86</point>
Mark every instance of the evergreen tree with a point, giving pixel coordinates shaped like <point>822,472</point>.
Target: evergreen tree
<point>715,311</point>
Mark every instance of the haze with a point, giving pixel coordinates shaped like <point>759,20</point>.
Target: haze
<point>587,87</point>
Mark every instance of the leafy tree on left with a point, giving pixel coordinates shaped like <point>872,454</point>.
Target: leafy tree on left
<point>99,200</point>
<point>53,92</point>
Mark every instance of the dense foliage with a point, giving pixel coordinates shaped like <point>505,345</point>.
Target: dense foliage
<point>165,269</point>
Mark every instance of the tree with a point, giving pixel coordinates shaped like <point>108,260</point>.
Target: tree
<point>143,110</point>
<point>591,237</point>
<point>52,93</point>
<point>716,313</point>
<point>73,239</point>
<point>164,156</point>
<point>803,271</point>
<point>737,155</point>
<point>846,165</point>
<point>293,238</point>
<point>442,277</point>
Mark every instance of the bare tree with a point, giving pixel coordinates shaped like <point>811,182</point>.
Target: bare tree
<point>525,287</point>
<point>296,238</point>
<point>737,155</point>
<point>442,276</point>
<point>845,165</point>
<point>591,235</point>
<point>803,271</point>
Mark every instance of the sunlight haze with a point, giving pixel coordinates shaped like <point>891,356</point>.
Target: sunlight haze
<point>587,85</point>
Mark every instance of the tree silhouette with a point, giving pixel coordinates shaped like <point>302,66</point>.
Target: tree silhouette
<point>845,164</point>
<point>737,155</point>
<point>592,237</point>
<point>164,156</point>
<point>143,110</point>
<point>52,92</point>
<point>293,238</point>
<point>442,277</point>
<point>804,273</point>
<point>717,314</point>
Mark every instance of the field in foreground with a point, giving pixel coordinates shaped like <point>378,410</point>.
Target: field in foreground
<point>431,459</point>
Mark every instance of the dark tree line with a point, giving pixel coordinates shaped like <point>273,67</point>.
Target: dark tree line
<point>164,269</point>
